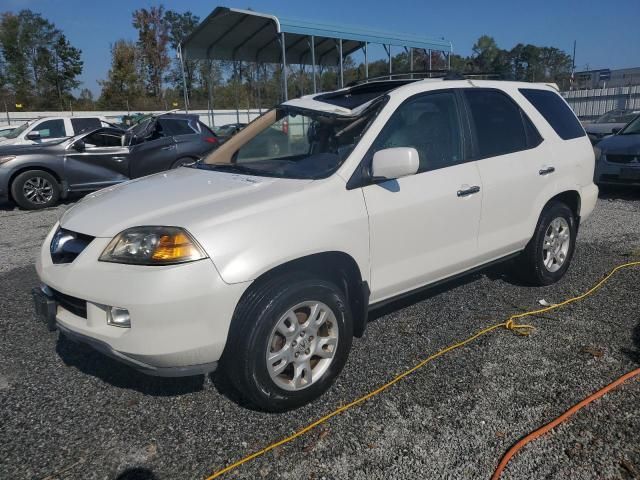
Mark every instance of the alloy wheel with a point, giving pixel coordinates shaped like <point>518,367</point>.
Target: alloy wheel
<point>38,190</point>
<point>302,345</point>
<point>556,243</point>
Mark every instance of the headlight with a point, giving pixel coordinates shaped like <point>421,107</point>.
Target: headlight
<point>152,246</point>
<point>6,158</point>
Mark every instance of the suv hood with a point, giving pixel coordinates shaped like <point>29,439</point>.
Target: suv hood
<point>187,197</point>
<point>21,149</point>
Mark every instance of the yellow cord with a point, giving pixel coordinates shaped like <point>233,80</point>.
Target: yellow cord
<point>510,324</point>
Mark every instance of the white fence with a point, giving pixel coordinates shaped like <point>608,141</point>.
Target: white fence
<point>590,104</point>
<point>220,117</point>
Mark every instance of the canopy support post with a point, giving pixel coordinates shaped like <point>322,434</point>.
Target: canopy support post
<point>212,122</point>
<point>366,60</point>
<point>429,62</point>
<point>285,93</point>
<point>235,90</point>
<point>184,80</point>
<point>259,87</point>
<point>387,48</point>
<point>411,61</point>
<point>341,64</point>
<point>313,62</point>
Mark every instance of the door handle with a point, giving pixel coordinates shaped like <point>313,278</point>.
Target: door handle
<point>546,170</point>
<point>465,192</point>
<point>168,147</point>
<point>118,159</point>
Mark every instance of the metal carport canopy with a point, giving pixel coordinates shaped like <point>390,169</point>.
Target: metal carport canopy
<point>245,35</point>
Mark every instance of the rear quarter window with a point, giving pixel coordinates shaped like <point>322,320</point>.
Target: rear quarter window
<point>177,127</point>
<point>85,124</point>
<point>555,111</point>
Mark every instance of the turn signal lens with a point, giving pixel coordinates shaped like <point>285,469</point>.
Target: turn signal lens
<point>174,247</point>
<point>152,246</point>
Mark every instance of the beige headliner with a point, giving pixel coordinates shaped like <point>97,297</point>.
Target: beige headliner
<point>224,154</point>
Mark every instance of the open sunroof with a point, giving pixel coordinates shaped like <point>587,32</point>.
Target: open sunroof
<point>360,94</point>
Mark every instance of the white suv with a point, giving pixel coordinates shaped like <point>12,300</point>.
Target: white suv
<point>265,261</point>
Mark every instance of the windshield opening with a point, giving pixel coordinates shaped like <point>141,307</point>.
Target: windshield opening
<point>632,128</point>
<point>617,116</point>
<point>290,142</point>
<point>17,131</point>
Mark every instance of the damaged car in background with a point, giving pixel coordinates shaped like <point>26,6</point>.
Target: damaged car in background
<point>37,176</point>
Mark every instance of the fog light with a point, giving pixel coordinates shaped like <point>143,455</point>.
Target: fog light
<point>118,317</point>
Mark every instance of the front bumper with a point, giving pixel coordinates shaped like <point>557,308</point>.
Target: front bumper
<point>180,314</point>
<point>608,173</point>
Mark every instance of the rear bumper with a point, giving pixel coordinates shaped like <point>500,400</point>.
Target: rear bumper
<point>588,199</point>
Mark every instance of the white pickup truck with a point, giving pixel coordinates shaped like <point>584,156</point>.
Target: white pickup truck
<point>47,129</point>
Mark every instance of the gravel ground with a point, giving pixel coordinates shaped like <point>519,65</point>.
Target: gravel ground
<point>67,412</point>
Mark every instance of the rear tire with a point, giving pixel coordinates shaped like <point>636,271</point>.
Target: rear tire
<point>548,254</point>
<point>35,189</point>
<point>302,322</point>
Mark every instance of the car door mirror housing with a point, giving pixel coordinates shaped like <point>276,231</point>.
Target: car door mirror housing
<point>79,146</point>
<point>392,163</point>
<point>615,130</point>
<point>33,135</point>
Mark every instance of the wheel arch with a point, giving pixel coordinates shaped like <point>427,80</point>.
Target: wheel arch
<point>569,197</point>
<point>336,266</point>
<point>26,168</point>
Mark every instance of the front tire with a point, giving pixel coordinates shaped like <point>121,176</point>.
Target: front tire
<point>35,189</point>
<point>289,340</point>
<point>549,252</point>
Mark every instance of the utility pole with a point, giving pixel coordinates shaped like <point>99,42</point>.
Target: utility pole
<point>6,109</point>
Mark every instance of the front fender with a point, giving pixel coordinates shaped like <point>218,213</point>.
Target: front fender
<point>325,217</point>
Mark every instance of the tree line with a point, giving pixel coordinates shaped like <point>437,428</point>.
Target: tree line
<point>40,69</point>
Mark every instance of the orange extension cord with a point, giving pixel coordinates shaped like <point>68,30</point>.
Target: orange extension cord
<point>509,324</point>
<point>542,430</point>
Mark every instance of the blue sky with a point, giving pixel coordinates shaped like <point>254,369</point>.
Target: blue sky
<point>607,33</point>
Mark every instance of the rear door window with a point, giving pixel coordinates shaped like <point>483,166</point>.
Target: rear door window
<point>81,125</point>
<point>499,123</point>
<point>51,129</point>
<point>555,111</point>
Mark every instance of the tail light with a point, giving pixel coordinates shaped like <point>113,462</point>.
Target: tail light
<point>213,140</point>
<point>285,127</point>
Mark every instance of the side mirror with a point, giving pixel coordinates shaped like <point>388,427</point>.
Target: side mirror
<point>393,163</point>
<point>79,145</point>
<point>33,135</point>
<point>615,130</point>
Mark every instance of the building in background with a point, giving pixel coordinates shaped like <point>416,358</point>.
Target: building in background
<point>605,77</point>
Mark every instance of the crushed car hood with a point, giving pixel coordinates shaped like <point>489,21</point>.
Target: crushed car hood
<point>185,197</point>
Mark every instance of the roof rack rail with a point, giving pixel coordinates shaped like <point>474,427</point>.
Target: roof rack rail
<point>422,74</point>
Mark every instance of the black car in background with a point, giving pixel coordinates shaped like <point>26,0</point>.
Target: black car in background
<point>609,124</point>
<point>618,157</point>
<point>225,132</point>
<point>37,176</point>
